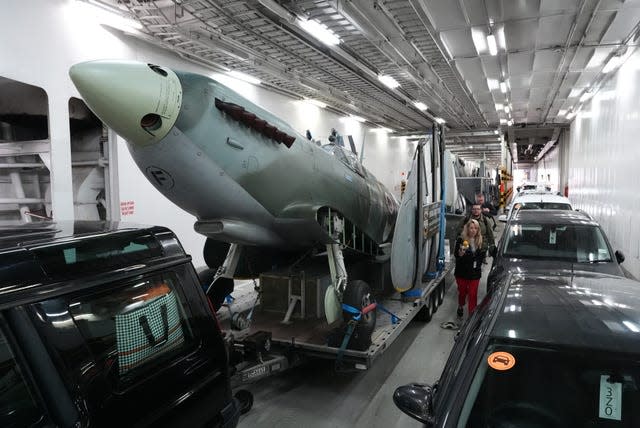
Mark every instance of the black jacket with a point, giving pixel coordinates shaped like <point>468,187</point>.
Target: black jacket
<point>469,265</point>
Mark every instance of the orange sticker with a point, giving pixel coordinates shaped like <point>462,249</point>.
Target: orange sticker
<point>501,361</point>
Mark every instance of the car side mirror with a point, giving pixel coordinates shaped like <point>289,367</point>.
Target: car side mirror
<point>502,218</point>
<point>416,400</point>
<point>619,256</point>
<point>493,250</point>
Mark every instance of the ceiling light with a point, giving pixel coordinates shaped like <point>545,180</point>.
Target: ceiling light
<point>571,115</point>
<point>503,121</point>
<point>503,87</point>
<point>388,81</point>
<point>506,109</point>
<point>495,131</point>
<point>471,147</point>
<point>244,77</point>
<point>502,41</point>
<point>499,106</point>
<point>358,118</point>
<point>585,97</point>
<point>493,84</point>
<point>381,129</point>
<point>316,103</point>
<point>491,42</point>
<point>320,32</point>
<point>575,92</point>
<point>510,122</point>
<point>561,113</point>
<point>440,120</point>
<point>613,63</point>
<point>479,40</point>
<point>420,105</point>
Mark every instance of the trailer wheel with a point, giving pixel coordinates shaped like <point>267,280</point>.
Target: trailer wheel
<point>358,294</point>
<point>426,313</point>
<point>440,292</point>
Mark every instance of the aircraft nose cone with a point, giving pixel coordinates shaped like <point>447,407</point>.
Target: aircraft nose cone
<point>141,102</point>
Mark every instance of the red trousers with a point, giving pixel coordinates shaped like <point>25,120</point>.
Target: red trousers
<point>470,287</point>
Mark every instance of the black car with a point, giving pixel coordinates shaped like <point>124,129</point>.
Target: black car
<point>541,352</point>
<point>105,325</point>
<point>553,240</point>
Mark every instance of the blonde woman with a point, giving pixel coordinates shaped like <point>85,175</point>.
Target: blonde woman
<point>469,255</point>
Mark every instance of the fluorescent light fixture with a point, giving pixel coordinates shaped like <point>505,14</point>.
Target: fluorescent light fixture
<point>502,41</point>
<point>479,40</point>
<point>507,109</point>
<point>244,77</point>
<point>510,122</point>
<point>561,113</point>
<point>107,16</point>
<point>382,129</point>
<point>571,115</point>
<point>493,47</point>
<point>585,96</point>
<point>420,105</point>
<point>388,81</point>
<point>503,121</point>
<point>503,87</point>
<point>319,31</point>
<point>440,120</point>
<point>316,103</point>
<point>493,84</point>
<point>575,92</point>
<point>499,106</point>
<point>613,63</point>
<point>357,118</point>
<point>495,131</point>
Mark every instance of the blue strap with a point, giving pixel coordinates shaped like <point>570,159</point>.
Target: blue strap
<point>353,311</point>
<point>229,299</point>
<point>394,318</point>
<point>432,275</point>
<point>414,292</point>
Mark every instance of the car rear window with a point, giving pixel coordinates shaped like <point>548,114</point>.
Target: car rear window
<point>572,243</point>
<point>98,254</point>
<point>131,330</point>
<point>544,206</point>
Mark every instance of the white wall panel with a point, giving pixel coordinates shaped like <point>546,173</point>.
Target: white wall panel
<point>603,157</point>
<point>42,39</point>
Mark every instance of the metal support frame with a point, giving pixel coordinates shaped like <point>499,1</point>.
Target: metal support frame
<point>337,269</point>
<point>293,299</point>
<point>228,268</point>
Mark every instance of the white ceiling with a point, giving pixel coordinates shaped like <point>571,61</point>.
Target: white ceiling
<point>549,53</point>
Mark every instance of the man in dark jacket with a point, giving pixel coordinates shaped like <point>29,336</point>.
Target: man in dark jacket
<point>487,209</point>
<point>486,230</point>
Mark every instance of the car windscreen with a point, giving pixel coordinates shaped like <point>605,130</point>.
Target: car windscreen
<point>518,384</point>
<point>572,243</point>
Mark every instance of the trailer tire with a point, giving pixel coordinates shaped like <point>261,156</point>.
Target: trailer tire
<point>441,291</point>
<point>358,294</point>
<point>426,313</point>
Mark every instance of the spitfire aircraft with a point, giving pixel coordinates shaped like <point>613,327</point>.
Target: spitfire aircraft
<point>260,191</point>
